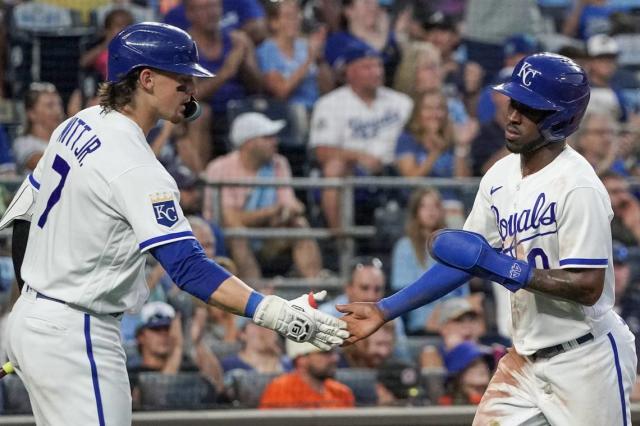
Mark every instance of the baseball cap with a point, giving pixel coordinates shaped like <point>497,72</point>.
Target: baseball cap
<point>353,51</point>
<point>295,349</point>
<point>602,45</point>
<point>521,44</point>
<point>156,315</point>
<point>454,308</point>
<point>184,177</point>
<point>438,20</point>
<point>251,125</point>
<point>620,252</point>
<point>463,355</point>
<point>401,378</point>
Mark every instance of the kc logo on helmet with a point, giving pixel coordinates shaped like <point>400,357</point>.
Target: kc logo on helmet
<point>526,73</point>
<point>164,208</point>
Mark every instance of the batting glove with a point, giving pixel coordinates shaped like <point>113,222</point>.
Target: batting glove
<point>299,321</point>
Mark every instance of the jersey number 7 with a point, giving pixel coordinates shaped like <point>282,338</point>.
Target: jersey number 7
<point>62,167</point>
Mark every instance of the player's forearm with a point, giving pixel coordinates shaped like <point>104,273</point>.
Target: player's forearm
<point>232,296</point>
<point>581,286</point>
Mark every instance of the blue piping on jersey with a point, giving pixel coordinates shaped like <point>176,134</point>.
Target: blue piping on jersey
<point>619,374</point>
<point>164,238</point>
<point>94,369</point>
<point>589,262</point>
<point>34,182</point>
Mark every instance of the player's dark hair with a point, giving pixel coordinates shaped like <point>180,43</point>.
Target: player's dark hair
<point>114,96</point>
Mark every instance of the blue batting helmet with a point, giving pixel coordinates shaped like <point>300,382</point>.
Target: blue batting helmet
<point>153,45</point>
<point>554,83</point>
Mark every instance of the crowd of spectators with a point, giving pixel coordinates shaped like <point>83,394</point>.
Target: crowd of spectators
<point>330,88</point>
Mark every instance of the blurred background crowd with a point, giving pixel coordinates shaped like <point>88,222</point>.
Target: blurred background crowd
<point>319,89</point>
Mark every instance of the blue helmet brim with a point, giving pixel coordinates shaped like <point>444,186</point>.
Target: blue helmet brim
<point>526,96</point>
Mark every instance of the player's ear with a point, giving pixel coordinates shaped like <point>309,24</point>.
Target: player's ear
<point>147,79</point>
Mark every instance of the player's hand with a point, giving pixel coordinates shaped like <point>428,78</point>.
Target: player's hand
<point>299,321</point>
<point>362,318</point>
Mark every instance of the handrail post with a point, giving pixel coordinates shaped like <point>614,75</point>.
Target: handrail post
<point>347,243</point>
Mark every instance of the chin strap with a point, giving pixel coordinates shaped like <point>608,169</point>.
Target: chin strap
<point>192,110</point>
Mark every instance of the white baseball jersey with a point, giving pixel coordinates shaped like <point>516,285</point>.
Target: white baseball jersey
<point>343,120</point>
<point>103,200</point>
<point>556,218</point>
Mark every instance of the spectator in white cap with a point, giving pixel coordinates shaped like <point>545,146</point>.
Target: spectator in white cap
<point>311,384</point>
<point>161,348</point>
<point>254,137</point>
<point>601,65</point>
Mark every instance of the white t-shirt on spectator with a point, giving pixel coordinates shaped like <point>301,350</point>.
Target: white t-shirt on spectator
<point>343,120</point>
<point>24,147</point>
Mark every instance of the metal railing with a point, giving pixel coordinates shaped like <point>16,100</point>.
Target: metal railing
<point>348,230</point>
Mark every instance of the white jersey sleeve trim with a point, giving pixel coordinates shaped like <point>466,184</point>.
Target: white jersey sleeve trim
<point>164,239</point>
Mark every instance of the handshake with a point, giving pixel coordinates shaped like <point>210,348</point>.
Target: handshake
<point>300,321</point>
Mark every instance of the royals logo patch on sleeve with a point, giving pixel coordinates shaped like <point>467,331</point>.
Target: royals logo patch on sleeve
<point>164,209</point>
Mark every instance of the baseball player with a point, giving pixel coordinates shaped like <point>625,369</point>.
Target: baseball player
<point>102,201</point>
<point>540,226</point>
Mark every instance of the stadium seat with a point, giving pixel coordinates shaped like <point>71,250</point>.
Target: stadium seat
<point>182,391</point>
<point>362,382</point>
<point>415,344</point>
<point>433,380</point>
<point>16,399</point>
<point>246,386</point>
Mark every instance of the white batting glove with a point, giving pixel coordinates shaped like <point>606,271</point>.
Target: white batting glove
<point>299,321</point>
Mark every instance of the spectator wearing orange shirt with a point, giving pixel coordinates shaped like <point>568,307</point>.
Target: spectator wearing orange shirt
<point>311,384</point>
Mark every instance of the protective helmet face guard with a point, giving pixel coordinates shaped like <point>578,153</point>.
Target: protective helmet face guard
<point>550,82</point>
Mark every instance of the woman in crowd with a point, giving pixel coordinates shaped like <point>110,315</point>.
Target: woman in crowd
<point>430,146</point>
<point>410,257</point>
<point>44,112</point>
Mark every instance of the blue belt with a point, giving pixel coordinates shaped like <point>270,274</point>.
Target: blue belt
<point>552,351</point>
<point>53,299</point>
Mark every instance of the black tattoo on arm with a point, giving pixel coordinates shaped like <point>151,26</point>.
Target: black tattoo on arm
<point>577,285</point>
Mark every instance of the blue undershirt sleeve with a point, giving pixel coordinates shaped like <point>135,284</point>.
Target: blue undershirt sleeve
<point>432,285</point>
<point>188,266</point>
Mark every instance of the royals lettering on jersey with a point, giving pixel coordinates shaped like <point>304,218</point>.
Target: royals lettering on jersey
<point>369,128</point>
<point>526,224</point>
<point>80,138</point>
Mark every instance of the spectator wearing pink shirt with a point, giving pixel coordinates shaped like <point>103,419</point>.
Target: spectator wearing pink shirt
<point>255,156</point>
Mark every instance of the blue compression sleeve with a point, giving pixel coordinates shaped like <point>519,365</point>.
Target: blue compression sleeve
<point>188,266</point>
<point>432,285</point>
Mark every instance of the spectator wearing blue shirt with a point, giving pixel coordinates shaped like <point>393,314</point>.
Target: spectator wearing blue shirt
<point>292,65</point>
<point>590,17</point>
<point>230,56</point>
<point>430,147</point>
<point>366,22</point>
<point>410,258</point>
<point>261,351</point>
<point>7,163</point>
<point>245,15</point>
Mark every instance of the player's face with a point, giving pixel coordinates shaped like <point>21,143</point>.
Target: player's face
<point>172,93</point>
<point>521,132</point>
